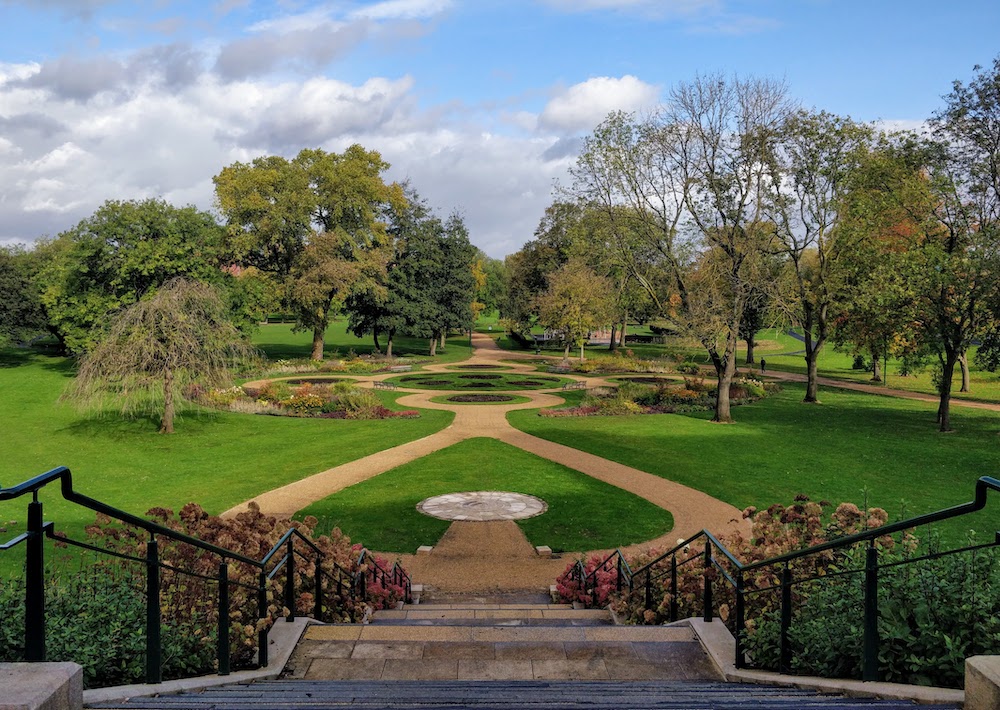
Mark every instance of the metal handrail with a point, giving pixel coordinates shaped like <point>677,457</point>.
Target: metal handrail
<point>37,529</point>
<point>737,579</point>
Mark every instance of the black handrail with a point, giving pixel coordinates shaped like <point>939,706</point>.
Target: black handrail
<point>37,530</point>
<point>652,571</point>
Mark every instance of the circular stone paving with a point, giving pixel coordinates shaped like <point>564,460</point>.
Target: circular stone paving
<point>480,506</point>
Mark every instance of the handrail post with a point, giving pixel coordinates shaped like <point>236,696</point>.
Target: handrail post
<point>673,587</point>
<point>648,601</point>
<point>223,648</point>
<point>707,600</point>
<point>34,587</point>
<point>290,581</point>
<point>740,618</point>
<point>785,662</point>
<point>871,640</point>
<point>154,660</point>
<point>618,580</point>
<point>318,608</point>
<point>262,614</point>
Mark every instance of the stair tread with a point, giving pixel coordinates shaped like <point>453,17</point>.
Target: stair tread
<point>507,695</point>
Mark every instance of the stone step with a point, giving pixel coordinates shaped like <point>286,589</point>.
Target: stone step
<point>482,615</point>
<point>505,695</point>
<point>469,652</point>
<point>495,633</point>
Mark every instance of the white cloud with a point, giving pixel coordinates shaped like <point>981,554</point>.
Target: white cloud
<point>63,158</point>
<point>402,9</point>
<point>658,8</point>
<point>582,106</point>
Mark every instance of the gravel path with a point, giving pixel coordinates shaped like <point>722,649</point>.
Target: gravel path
<point>495,556</point>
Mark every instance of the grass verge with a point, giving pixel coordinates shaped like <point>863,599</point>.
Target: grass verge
<point>584,513</point>
<point>780,447</point>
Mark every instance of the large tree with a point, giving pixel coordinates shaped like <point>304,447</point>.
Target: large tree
<point>964,249</point>
<point>814,160</point>
<point>158,346</point>
<point>576,302</point>
<point>115,257</point>
<point>21,313</point>
<point>317,223</point>
<point>727,137</point>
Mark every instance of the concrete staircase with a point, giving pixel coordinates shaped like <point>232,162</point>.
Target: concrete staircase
<point>499,654</point>
<point>498,641</point>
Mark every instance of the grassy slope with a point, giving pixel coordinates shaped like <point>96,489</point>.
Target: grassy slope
<point>780,447</point>
<point>278,341</point>
<point>583,514</point>
<point>214,459</point>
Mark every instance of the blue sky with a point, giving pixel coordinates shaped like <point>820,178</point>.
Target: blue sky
<point>479,103</point>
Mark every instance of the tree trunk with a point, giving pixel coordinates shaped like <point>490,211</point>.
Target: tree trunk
<point>750,343</point>
<point>876,368</point>
<point>963,362</point>
<point>582,344</point>
<point>813,347</point>
<point>944,406</point>
<point>443,336</point>
<point>566,353</point>
<point>375,338</point>
<point>167,423</point>
<point>613,344</point>
<point>318,343</point>
<point>724,370</point>
<point>623,332</point>
<point>434,345</point>
<point>388,344</point>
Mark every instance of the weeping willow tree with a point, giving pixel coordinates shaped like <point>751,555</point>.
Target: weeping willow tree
<point>157,347</point>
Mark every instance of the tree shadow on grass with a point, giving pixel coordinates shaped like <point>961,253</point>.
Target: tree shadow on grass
<point>112,424</point>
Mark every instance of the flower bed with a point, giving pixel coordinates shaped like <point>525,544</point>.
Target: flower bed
<point>481,398</point>
<point>340,399</point>
<point>667,397</point>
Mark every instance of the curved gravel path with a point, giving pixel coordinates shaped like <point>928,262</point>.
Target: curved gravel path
<point>493,557</point>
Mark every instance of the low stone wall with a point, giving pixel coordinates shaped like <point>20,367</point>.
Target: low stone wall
<point>41,686</point>
<point>982,683</point>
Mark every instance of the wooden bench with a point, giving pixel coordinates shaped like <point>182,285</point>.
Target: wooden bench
<point>576,385</point>
<point>379,385</point>
<point>400,368</point>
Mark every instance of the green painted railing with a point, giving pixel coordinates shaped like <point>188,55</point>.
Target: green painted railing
<point>719,563</point>
<point>281,558</point>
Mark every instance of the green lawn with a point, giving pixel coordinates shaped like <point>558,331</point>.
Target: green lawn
<point>215,459</point>
<point>279,342</point>
<point>780,447</point>
<point>583,514</point>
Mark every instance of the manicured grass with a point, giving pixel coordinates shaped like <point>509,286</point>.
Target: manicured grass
<point>479,381</point>
<point>215,459</point>
<point>584,513</point>
<point>279,342</point>
<point>780,447</point>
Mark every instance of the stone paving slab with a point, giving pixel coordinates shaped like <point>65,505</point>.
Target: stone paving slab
<point>495,670</point>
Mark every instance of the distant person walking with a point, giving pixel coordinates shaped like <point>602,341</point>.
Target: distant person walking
<point>763,365</point>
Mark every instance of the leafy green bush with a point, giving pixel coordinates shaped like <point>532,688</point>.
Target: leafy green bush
<point>932,613</point>
<point>97,618</point>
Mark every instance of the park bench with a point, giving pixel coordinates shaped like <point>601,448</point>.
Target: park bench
<point>400,368</point>
<point>577,385</point>
<point>379,385</point>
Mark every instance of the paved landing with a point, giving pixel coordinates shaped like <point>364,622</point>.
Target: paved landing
<point>498,642</point>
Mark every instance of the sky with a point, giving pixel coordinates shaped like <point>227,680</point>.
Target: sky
<point>481,105</point>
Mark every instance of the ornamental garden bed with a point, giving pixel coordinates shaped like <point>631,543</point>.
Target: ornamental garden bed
<point>339,399</point>
<point>666,398</point>
<point>496,381</point>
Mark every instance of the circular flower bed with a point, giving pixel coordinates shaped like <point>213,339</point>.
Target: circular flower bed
<point>500,381</point>
<point>481,398</point>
